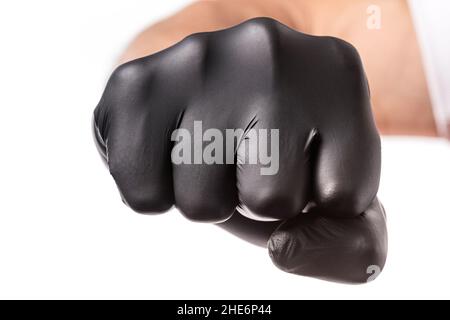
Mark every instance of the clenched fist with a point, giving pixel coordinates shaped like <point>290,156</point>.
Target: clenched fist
<point>261,129</point>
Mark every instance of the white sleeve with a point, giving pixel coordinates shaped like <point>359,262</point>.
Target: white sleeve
<point>432,23</point>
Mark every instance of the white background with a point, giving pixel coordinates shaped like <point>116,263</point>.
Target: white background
<point>64,232</point>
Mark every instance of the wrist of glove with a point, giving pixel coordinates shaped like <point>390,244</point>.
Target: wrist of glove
<point>259,75</point>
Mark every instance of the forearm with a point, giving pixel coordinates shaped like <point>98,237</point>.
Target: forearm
<point>200,16</point>
<point>391,55</point>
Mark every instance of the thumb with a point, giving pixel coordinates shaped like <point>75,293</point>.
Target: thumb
<point>349,250</point>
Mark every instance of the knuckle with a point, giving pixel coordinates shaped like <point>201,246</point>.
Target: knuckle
<point>205,211</point>
<point>147,203</point>
<point>139,194</point>
<point>343,51</point>
<point>127,72</point>
<point>339,201</point>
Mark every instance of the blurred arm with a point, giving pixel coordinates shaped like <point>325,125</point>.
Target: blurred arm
<point>391,55</point>
<point>200,16</point>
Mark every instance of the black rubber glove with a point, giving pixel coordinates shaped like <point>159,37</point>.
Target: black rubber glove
<point>257,75</point>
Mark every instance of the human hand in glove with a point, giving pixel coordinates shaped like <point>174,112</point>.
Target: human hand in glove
<point>194,125</point>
